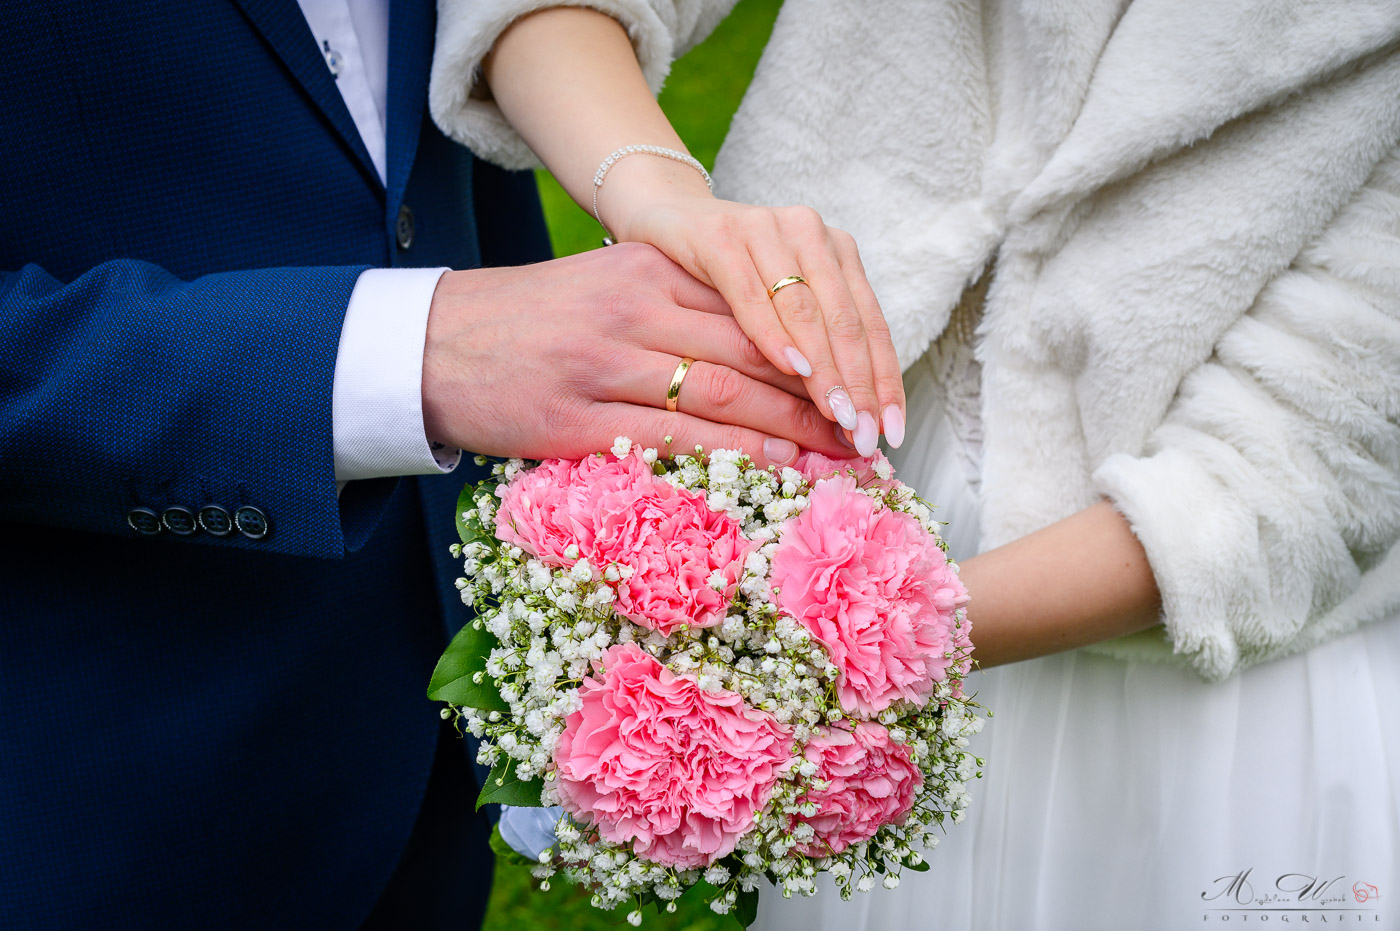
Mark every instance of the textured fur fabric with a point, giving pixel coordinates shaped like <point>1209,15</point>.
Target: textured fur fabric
<point>1195,308</point>
<point>1194,210</point>
<point>661,31</point>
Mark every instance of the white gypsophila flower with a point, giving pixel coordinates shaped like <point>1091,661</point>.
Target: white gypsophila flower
<point>717,875</point>
<point>621,447</point>
<point>724,468</point>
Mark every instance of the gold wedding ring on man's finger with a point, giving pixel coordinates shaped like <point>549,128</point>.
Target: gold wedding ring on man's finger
<point>784,282</point>
<point>673,393</point>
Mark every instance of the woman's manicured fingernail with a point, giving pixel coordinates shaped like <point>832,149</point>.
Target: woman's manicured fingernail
<point>799,362</point>
<point>894,426</point>
<point>840,432</point>
<point>841,407</point>
<point>866,435</point>
<point>779,451</point>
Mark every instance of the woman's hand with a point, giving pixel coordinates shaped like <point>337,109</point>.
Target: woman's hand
<point>568,80</point>
<point>828,330</point>
<point>559,358</point>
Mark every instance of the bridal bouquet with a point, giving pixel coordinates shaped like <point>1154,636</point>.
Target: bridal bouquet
<point>720,674</point>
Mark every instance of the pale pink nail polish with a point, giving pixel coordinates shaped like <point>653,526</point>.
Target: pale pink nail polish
<point>799,362</point>
<point>840,432</point>
<point>894,426</point>
<point>842,408</point>
<point>866,434</point>
<point>779,451</point>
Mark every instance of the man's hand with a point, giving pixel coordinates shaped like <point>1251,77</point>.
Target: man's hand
<point>558,359</point>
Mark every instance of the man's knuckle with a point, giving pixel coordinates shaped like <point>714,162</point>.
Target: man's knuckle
<point>621,310</point>
<point>588,358</point>
<point>725,388</point>
<point>809,421</point>
<point>575,423</point>
<point>750,355</point>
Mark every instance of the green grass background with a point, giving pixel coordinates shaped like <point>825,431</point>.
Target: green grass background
<point>700,97</point>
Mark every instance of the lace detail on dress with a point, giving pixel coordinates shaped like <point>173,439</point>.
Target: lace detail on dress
<point>959,375</point>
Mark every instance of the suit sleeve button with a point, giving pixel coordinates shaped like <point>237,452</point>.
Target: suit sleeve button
<point>179,520</point>
<point>215,521</point>
<point>252,522</point>
<point>144,521</point>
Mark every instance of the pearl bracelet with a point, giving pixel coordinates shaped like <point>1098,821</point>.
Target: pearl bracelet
<point>620,154</point>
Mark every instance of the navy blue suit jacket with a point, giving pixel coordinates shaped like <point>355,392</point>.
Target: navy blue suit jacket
<point>210,730</point>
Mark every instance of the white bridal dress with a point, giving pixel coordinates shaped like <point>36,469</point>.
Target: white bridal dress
<point>1117,795</point>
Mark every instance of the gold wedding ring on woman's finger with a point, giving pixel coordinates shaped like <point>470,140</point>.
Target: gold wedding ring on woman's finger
<point>673,393</point>
<point>784,282</point>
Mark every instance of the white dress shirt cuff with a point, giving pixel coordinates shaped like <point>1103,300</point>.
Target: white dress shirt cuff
<point>377,398</point>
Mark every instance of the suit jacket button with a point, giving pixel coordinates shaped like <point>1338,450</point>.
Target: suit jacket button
<point>215,521</point>
<point>143,521</point>
<point>403,227</point>
<point>252,522</point>
<point>179,520</point>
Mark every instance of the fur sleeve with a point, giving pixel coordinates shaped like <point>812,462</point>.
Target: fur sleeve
<point>1269,499</point>
<point>661,31</point>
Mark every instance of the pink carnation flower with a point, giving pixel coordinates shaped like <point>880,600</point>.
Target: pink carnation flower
<point>815,467</point>
<point>653,759</point>
<point>674,544</point>
<point>560,502</point>
<point>872,783</point>
<point>873,586</point>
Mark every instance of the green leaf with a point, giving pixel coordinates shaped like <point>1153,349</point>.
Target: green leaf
<point>746,908</point>
<point>512,790</point>
<point>505,853</point>
<point>920,867</point>
<point>466,501</point>
<point>454,678</point>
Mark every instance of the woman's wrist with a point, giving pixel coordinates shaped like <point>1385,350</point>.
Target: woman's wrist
<point>1082,580</point>
<point>641,182</point>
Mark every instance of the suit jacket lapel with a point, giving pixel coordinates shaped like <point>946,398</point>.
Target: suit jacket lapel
<point>411,25</point>
<point>284,28</point>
